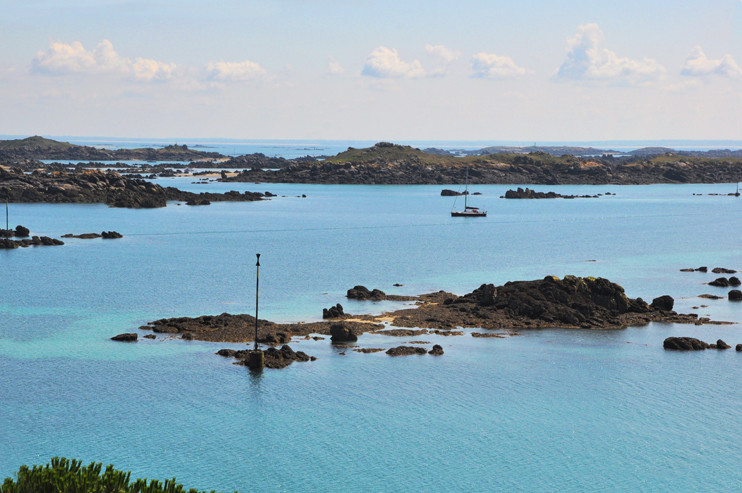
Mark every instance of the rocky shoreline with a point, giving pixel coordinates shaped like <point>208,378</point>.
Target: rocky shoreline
<point>96,187</point>
<point>532,194</point>
<point>569,303</point>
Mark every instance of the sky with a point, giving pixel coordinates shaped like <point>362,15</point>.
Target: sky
<point>508,70</point>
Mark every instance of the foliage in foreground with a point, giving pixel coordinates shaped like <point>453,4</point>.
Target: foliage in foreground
<point>69,476</point>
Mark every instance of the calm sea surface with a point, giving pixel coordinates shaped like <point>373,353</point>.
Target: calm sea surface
<point>551,410</point>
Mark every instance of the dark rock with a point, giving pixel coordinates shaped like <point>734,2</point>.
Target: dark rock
<point>125,337</point>
<point>436,351</point>
<point>342,333</point>
<point>226,352</point>
<point>150,336</point>
<point>665,303</point>
<point>450,193</point>
<point>487,294</point>
<point>405,351</point>
<point>721,282</point>
<point>738,347</point>
<point>21,232</point>
<point>368,350</point>
<point>84,236</point>
<point>639,306</point>
<point>702,269</point>
<point>687,270</point>
<point>733,281</point>
<point>397,285</point>
<point>684,344</point>
<point>362,293</point>
<point>198,201</point>
<point>722,345</point>
<point>722,270</point>
<point>735,295</point>
<point>111,235</point>
<point>333,312</point>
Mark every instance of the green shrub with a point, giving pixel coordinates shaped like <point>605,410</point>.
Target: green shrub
<point>69,476</point>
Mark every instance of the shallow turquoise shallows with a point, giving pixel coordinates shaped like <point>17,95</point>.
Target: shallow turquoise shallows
<point>551,410</point>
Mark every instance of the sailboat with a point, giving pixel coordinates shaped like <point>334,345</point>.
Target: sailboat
<point>468,210</point>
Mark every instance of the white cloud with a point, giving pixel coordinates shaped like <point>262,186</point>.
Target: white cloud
<point>384,63</point>
<point>443,55</point>
<point>697,65</point>
<point>586,62</point>
<point>440,51</point>
<point>61,58</point>
<point>231,71</point>
<point>334,67</point>
<point>492,66</point>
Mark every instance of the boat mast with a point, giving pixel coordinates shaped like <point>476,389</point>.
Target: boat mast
<point>466,190</point>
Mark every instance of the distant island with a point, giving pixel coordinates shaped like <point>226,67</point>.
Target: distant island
<point>392,164</point>
<point>41,148</point>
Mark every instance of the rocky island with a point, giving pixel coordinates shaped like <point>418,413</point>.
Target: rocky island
<point>96,187</point>
<point>571,303</point>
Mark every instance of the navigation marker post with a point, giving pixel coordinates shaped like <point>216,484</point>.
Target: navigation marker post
<point>256,356</point>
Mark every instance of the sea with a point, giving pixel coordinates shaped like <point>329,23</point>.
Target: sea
<point>548,410</point>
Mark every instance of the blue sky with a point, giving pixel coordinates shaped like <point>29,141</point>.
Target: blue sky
<point>508,70</point>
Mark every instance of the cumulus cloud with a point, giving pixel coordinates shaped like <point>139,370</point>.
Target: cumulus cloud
<point>585,61</point>
<point>62,58</point>
<point>444,56</point>
<point>492,66</point>
<point>384,63</point>
<point>232,71</point>
<point>334,67</point>
<point>697,64</point>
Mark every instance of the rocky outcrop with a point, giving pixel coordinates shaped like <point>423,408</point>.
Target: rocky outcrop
<point>405,351</point>
<point>722,270</point>
<point>111,235</point>
<point>451,193</point>
<point>342,333</point>
<point>363,293</point>
<point>6,244</point>
<point>128,337</point>
<point>109,188</point>
<point>684,344</point>
<point>19,232</point>
<point>333,312</point>
<point>436,351</point>
<point>722,345</point>
<point>532,194</point>
<point>241,328</point>
<point>665,303</point>
<point>272,357</point>
<point>721,282</point>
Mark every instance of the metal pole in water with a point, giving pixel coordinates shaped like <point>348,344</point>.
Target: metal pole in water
<point>256,356</point>
<point>257,294</point>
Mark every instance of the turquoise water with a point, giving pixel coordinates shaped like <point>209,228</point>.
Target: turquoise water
<point>551,410</point>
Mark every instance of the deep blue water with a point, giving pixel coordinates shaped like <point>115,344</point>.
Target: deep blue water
<point>551,410</point>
